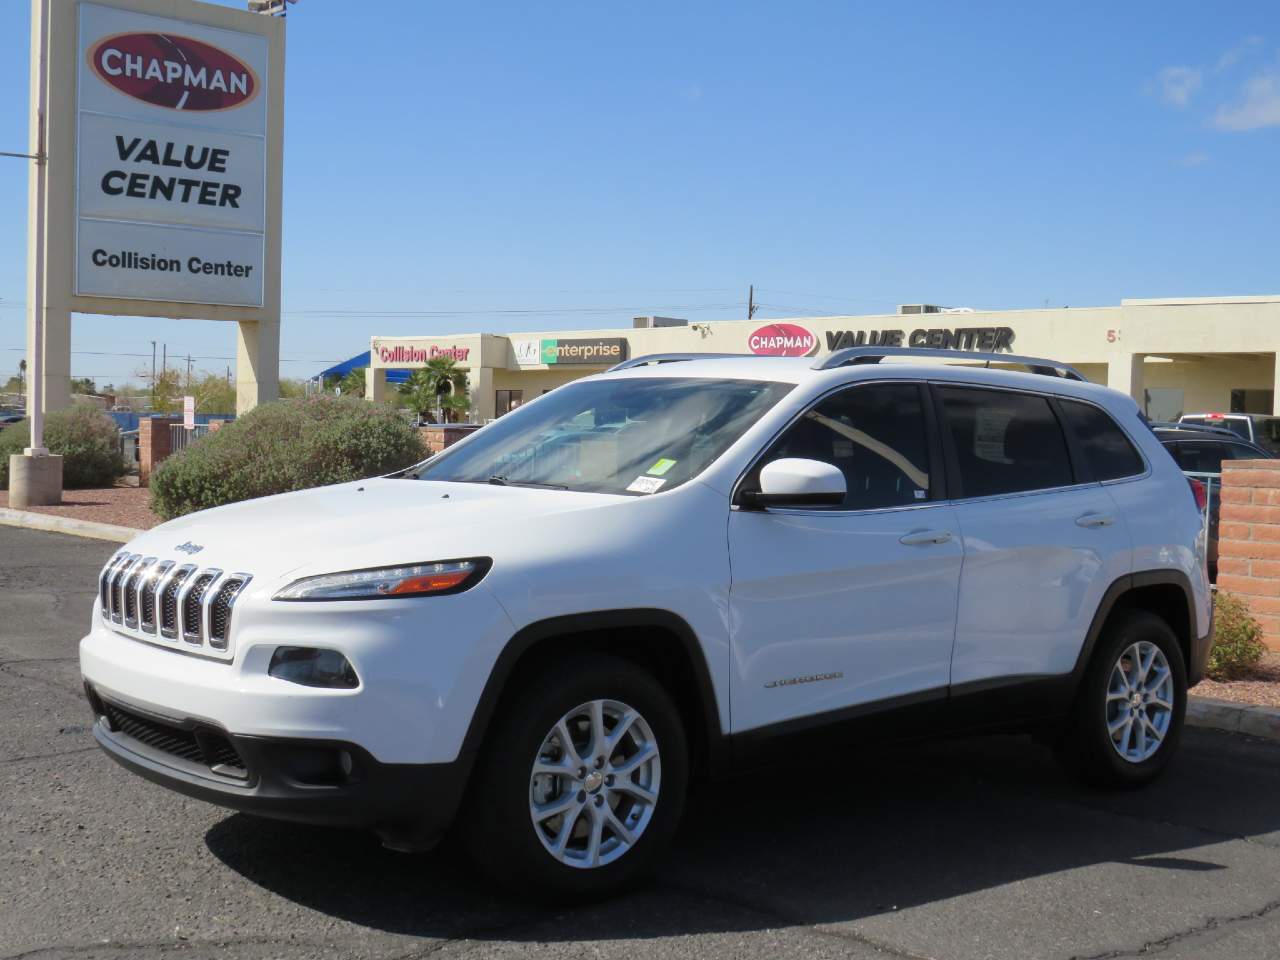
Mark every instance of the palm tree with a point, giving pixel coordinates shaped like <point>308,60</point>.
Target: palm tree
<point>436,388</point>
<point>353,383</point>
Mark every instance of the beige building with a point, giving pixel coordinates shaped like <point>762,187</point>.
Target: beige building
<point>1171,355</point>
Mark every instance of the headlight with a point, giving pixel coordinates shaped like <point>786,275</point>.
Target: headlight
<point>415,580</point>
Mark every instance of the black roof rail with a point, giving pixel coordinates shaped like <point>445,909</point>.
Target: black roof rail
<point>856,355</point>
<point>655,358</point>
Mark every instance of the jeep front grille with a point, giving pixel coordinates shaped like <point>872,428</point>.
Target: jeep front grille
<point>163,602</point>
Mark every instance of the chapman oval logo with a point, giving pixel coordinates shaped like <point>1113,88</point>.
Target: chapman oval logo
<point>782,340</point>
<point>179,73</point>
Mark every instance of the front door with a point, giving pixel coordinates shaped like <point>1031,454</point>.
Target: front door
<point>840,607</point>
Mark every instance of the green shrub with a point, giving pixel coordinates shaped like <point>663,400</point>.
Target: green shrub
<point>283,446</point>
<point>1237,639</point>
<point>86,438</point>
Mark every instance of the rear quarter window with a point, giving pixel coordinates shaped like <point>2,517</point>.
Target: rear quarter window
<point>1108,451</point>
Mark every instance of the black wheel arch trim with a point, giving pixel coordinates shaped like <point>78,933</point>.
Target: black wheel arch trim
<point>1197,645</point>
<point>597,621</point>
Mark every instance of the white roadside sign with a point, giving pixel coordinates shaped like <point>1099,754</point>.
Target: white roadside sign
<point>171,160</point>
<point>189,412</point>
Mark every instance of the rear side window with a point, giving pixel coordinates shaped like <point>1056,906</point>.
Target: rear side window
<point>1107,450</point>
<point>1004,442</point>
<point>1238,451</point>
<point>1200,456</point>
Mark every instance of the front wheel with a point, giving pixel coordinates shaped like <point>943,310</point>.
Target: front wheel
<point>581,784</point>
<point>1130,708</point>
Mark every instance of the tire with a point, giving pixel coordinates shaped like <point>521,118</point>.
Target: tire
<point>499,832</point>
<point>1133,755</point>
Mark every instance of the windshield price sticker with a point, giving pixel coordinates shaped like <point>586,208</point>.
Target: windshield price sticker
<point>646,485</point>
<point>661,467</point>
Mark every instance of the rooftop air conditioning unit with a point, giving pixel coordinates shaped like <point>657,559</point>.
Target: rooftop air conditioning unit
<point>644,322</point>
<point>905,308</point>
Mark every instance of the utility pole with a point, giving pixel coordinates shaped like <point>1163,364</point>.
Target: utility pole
<point>188,373</point>
<point>751,302</point>
<point>153,373</point>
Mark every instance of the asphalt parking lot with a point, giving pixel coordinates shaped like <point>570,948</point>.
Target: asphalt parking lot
<point>967,849</point>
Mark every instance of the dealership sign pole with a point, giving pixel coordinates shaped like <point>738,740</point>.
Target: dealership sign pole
<point>39,174</point>
<point>158,127</point>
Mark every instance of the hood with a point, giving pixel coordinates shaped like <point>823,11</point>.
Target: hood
<point>353,525</point>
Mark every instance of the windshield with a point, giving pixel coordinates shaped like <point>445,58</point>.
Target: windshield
<point>632,435</point>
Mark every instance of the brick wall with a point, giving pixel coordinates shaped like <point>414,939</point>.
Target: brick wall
<point>153,444</point>
<point>1249,539</point>
<point>437,436</point>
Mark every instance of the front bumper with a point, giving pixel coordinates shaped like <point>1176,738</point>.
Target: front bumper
<point>327,782</point>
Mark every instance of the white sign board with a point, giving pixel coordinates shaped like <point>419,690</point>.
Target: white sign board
<point>528,352</point>
<point>171,160</point>
<point>189,412</point>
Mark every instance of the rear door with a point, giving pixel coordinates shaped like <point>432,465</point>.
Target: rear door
<point>1042,540</point>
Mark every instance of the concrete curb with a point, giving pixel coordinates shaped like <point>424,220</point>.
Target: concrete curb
<point>69,525</point>
<point>1235,717</point>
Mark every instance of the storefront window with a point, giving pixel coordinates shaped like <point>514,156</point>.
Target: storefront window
<point>507,400</point>
<point>1164,404</point>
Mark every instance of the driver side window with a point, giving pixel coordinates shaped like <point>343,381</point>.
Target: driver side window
<point>875,435</point>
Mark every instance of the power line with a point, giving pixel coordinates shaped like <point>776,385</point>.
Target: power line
<point>110,353</point>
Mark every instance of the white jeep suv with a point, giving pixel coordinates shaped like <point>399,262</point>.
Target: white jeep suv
<point>541,635</point>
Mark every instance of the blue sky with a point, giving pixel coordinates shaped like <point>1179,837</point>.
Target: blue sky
<point>459,167</point>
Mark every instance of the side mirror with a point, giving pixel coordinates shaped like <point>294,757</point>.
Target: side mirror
<point>793,482</point>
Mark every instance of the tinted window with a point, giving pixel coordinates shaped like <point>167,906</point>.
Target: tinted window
<point>1267,433</point>
<point>1242,451</point>
<point>1108,451</point>
<point>1005,442</point>
<point>875,434</point>
<point>1200,456</point>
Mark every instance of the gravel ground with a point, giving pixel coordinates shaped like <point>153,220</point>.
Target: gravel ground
<point>1263,690</point>
<point>123,506</point>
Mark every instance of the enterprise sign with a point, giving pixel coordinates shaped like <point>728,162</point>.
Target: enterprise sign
<point>171,157</point>
<point>594,351</point>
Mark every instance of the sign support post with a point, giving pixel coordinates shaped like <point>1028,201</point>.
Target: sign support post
<point>35,477</point>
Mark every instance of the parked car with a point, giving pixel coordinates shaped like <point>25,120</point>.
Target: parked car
<point>1262,429</point>
<point>679,568</point>
<point>1200,454</point>
<point>7,419</point>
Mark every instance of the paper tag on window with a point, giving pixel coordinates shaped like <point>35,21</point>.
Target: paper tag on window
<point>646,485</point>
<point>661,467</point>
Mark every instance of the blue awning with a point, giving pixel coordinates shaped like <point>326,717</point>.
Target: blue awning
<point>359,362</point>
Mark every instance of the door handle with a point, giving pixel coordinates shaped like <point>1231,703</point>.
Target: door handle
<point>1090,520</point>
<point>918,538</point>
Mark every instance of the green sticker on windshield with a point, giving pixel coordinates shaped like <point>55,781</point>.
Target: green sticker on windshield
<point>661,467</point>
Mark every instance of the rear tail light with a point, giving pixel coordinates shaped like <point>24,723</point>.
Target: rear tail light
<point>1198,491</point>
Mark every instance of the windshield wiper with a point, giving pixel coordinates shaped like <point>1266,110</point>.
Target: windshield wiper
<point>500,481</point>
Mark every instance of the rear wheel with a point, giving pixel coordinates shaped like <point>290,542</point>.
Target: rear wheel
<point>1129,711</point>
<point>581,783</point>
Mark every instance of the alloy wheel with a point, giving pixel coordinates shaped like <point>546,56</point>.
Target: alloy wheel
<point>1139,706</point>
<point>594,784</point>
